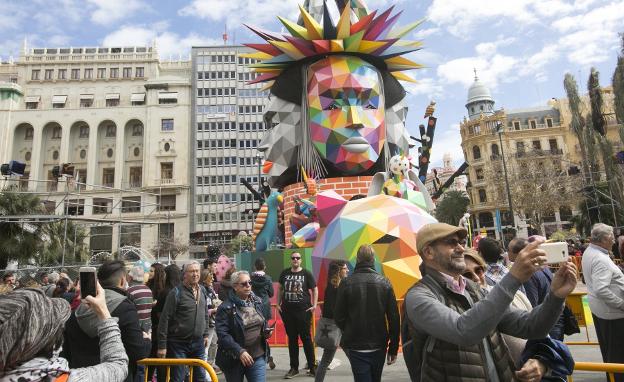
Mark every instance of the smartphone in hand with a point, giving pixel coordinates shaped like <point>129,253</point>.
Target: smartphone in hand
<point>88,282</point>
<point>555,252</point>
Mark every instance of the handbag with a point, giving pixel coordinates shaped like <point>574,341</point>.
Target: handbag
<point>327,333</point>
<point>570,324</point>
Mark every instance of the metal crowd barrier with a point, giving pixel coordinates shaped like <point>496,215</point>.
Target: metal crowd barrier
<point>168,362</point>
<point>609,368</point>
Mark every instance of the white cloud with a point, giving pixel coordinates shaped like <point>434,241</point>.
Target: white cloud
<point>426,86</point>
<point>447,139</point>
<point>169,44</point>
<point>107,12</point>
<point>491,71</point>
<point>236,12</point>
<point>424,33</point>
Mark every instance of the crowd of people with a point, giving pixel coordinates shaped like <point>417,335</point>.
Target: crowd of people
<point>478,314</point>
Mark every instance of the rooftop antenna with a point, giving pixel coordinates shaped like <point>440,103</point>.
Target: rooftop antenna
<point>225,34</point>
<point>475,72</point>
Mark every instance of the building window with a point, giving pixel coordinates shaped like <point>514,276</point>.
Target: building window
<point>111,131</point>
<point>55,155</point>
<point>81,177</point>
<point>48,74</point>
<point>83,154</point>
<point>476,153</point>
<point>553,145</point>
<point>28,133</point>
<point>537,145</point>
<point>139,72</point>
<point>482,196</point>
<point>56,132</point>
<point>516,125</point>
<point>101,73</point>
<point>112,102</point>
<point>137,130</point>
<point>166,170</point>
<point>84,132</point>
<point>137,152</point>
<point>108,177</point>
<point>102,206</point>
<point>75,74</point>
<point>495,150</point>
<point>75,207</point>
<point>88,74</point>
<point>167,203</point>
<point>86,102</point>
<point>479,173</point>
<point>32,105</point>
<point>549,122</point>
<point>109,153</point>
<point>127,72</point>
<point>532,124</point>
<point>136,177</point>
<point>166,233</point>
<point>166,124</point>
<point>34,75</point>
<point>520,147</point>
<point>61,74</point>
<point>114,72</point>
<point>131,204</point>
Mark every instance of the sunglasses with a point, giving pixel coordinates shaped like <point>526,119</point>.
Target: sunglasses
<point>471,275</point>
<point>245,283</point>
<point>295,258</point>
<point>453,242</point>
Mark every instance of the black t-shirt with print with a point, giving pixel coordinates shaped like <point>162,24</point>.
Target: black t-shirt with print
<point>296,287</point>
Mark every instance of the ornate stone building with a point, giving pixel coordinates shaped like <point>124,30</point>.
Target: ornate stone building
<point>121,118</point>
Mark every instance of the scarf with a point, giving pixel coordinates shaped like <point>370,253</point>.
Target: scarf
<point>37,369</point>
<point>240,303</point>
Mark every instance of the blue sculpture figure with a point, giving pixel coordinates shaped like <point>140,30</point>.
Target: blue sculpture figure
<point>266,227</point>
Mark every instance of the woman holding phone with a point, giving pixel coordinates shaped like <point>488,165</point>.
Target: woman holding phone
<point>242,331</point>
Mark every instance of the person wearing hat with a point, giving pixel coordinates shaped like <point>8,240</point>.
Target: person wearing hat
<point>452,329</point>
<point>32,334</point>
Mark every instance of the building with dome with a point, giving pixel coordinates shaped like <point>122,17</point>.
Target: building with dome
<point>444,173</point>
<point>532,136</point>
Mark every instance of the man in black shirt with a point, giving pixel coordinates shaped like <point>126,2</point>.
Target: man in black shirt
<point>297,307</point>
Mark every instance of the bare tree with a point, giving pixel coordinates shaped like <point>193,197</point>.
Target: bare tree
<point>169,247</point>
<point>538,182</point>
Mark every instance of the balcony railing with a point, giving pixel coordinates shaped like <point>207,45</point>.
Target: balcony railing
<point>538,153</point>
<point>166,181</point>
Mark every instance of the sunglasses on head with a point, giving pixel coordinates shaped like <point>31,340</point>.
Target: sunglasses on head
<point>245,283</point>
<point>295,258</point>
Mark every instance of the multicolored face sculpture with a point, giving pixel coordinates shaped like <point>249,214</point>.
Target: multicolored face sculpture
<point>346,112</point>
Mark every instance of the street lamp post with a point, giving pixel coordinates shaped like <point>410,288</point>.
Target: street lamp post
<point>259,162</point>
<point>499,130</point>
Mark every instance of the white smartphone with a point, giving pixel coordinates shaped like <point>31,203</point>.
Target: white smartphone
<point>555,252</point>
<point>87,282</point>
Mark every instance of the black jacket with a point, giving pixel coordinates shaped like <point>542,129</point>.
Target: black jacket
<point>231,334</point>
<point>262,286</point>
<point>366,311</point>
<point>81,347</point>
<point>182,319</point>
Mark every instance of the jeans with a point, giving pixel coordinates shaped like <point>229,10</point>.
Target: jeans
<point>328,356</point>
<point>211,350</point>
<point>254,373</point>
<point>297,325</point>
<point>366,367</point>
<point>186,349</point>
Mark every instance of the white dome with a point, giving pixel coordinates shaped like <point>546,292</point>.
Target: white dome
<point>478,92</point>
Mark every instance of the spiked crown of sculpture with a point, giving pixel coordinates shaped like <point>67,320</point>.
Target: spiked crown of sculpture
<point>371,36</point>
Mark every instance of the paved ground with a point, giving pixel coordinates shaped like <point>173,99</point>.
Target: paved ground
<point>398,373</point>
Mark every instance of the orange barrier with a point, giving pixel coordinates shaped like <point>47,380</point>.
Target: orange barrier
<point>168,362</point>
<point>609,368</point>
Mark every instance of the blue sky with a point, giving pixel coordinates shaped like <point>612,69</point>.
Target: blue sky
<point>521,49</point>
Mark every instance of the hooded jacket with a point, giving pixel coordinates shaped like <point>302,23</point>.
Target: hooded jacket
<point>81,347</point>
<point>262,286</point>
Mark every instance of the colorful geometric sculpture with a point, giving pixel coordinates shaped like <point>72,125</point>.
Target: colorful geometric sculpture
<point>266,225</point>
<point>390,224</point>
<point>328,206</point>
<point>306,236</point>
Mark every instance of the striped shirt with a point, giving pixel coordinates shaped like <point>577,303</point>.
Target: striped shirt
<point>142,298</point>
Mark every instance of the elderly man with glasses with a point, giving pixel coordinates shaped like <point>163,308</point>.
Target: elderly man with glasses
<point>605,287</point>
<point>452,329</point>
<point>184,323</point>
<point>296,305</point>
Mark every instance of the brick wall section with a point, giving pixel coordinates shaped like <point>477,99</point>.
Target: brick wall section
<point>346,187</point>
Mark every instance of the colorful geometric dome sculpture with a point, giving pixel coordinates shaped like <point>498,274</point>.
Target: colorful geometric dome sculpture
<point>390,224</point>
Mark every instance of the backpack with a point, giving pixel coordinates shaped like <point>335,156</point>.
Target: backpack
<point>408,332</point>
